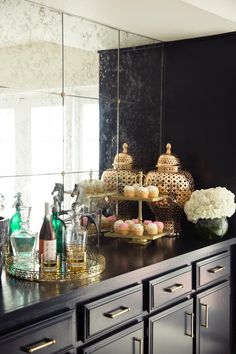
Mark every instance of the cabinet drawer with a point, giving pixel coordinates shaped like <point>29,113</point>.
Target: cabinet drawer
<point>129,341</point>
<point>212,269</point>
<point>113,310</point>
<point>45,337</point>
<point>170,287</point>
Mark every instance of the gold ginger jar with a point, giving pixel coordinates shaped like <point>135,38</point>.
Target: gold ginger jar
<point>122,174</point>
<point>174,182</point>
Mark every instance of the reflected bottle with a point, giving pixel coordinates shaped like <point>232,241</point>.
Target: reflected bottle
<point>60,229</point>
<point>15,220</point>
<point>47,243</point>
<point>24,241</point>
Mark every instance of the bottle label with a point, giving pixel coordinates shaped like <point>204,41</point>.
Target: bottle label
<point>49,250</point>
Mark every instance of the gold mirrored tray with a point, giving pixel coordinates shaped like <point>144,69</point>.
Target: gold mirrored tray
<point>94,265</point>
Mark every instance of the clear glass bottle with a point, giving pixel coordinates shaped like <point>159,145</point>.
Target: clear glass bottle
<point>24,241</point>
<point>48,243</point>
<point>15,221</point>
<point>76,245</point>
<point>60,229</point>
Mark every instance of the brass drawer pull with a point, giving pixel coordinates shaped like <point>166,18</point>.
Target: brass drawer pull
<point>173,288</point>
<point>216,269</point>
<point>120,311</point>
<point>46,343</point>
<point>205,324</point>
<point>140,341</point>
<point>191,334</point>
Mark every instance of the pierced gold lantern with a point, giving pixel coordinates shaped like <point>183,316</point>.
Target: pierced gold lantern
<point>122,174</point>
<point>174,182</point>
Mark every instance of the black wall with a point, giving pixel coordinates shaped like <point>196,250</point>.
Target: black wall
<point>199,108</point>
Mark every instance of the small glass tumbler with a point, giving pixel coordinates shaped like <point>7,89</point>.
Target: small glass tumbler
<point>24,241</point>
<point>76,248</point>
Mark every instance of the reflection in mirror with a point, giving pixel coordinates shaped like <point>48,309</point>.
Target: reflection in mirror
<point>51,137</point>
<point>35,191</point>
<point>30,46</point>
<point>31,131</point>
<point>81,132</point>
<point>83,41</point>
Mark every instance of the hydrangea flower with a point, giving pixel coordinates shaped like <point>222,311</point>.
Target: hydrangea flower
<point>210,203</point>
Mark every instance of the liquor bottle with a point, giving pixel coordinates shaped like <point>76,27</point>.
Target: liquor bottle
<point>60,229</point>
<point>24,241</point>
<point>47,243</point>
<point>15,220</point>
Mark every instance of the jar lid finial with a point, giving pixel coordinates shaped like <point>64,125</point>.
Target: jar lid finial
<point>168,149</point>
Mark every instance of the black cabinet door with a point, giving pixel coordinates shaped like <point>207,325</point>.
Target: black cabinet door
<point>129,341</point>
<point>172,331</point>
<point>213,320</point>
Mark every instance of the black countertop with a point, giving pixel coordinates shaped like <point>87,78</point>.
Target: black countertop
<point>126,264</point>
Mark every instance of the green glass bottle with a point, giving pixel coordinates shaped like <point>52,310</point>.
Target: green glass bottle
<point>15,221</point>
<point>60,229</point>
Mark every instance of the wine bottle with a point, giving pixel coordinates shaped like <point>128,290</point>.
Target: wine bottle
<point>60,229</point>
<point>47,243</point>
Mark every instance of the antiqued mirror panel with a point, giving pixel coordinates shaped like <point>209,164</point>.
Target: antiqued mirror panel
<point>84,62</point>
<point>81,134</point>
<point>30,47</point>
<point>31,133</point>
<point>136,63</point>
<point>140,89</point>
<point>71,93</point>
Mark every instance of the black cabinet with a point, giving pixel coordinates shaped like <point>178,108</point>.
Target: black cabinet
<point>54,335</point>
<point>111,311</point>
<point>129,341</point>
<point>179,305</point>
<point>172,331</point>
<point>213,320</point>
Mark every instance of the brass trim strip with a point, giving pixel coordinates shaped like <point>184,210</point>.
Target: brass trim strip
<point>34,348</point>
<point>118,312</point>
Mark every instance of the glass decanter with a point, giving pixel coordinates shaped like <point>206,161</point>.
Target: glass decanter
<point>24,241</point>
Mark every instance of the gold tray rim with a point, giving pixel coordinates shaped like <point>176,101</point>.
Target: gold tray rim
<point>39,276</point>
<point>137,199</point>
<point>135,237</point>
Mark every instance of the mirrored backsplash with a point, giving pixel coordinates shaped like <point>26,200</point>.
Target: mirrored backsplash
<point>71,93</point>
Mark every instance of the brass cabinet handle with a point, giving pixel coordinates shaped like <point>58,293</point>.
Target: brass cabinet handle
<point>174,287</point>
<point>140,341</point>
<point>46,343</point>
<point>191,334</point>
<point>120,311</point>
<point>205,324</point>
<point>216,269</point>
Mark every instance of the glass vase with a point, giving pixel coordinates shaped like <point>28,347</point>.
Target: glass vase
<point>212,229</point>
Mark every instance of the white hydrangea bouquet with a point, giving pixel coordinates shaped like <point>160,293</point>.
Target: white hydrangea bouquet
<point>210,203</point>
